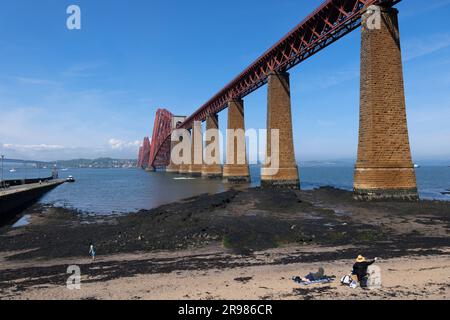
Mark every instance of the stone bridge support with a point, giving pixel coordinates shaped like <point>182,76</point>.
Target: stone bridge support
<point>196,165</point>
<point>184,167</point>
<point>384,169</point>
<point>212,167</point>
<point>176,139</point>
<point>236,169</point>
<point>173,168</point>
<point>281,168</point>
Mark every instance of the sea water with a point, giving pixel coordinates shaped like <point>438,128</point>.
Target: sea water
<point>106,191</point>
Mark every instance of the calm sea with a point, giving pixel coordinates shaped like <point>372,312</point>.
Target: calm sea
<point>105,191</point>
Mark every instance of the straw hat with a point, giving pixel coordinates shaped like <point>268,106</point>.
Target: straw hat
<point>360,259</point>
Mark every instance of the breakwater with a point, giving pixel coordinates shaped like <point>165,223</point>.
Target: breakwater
<point>19,182</point>
<point>17,198</point>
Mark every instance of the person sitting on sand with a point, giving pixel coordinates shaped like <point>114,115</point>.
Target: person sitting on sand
<point>360,270</point>
<point>317,276</point>
<point>92,251</point>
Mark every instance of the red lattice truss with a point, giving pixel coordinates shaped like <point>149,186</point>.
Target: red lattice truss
<point>140,160</point>
<point>160,146</point>
<point>144,154</point>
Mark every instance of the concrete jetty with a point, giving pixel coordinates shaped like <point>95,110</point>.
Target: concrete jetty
<point>14,199</point>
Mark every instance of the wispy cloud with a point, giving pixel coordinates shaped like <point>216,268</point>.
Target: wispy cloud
<point>324,123</point>
<point>419,47</point>
<point>35,81</point>
<point>422,7</point>
<point>331,79</point>
<point>46,152</point>
<point>56,123</point>
<point>35,151</point>
<point>434,5</point>
<point>19,122</point>
<point>32,147</point>
<point>82,70</point>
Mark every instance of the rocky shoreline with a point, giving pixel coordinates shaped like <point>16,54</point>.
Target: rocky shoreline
<point>322,225</point>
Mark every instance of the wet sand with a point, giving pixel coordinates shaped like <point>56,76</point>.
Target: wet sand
<point>234,245</point>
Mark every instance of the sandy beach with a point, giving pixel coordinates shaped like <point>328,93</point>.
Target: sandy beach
<point>407,278</point>
<point>235,245</point>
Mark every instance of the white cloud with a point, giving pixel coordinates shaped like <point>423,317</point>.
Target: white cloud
<point>117,144</point>
<point>54,123</point>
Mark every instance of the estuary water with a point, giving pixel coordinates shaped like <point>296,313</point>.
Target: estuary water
<point>106,191</point>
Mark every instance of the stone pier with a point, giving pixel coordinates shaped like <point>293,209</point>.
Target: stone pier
<point>384,169</point>
<point>176,139</point>
<point>281,168</point>
<point>212,167</point>
<point>196,165</point>
<point>173,168</point>
<point>184,167</point>
<point>236,169</point>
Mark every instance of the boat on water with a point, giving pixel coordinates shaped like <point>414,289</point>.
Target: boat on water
<point>13,170</point>
<point>70,179</point>
<point>416,166</point>
<point>65,169</point>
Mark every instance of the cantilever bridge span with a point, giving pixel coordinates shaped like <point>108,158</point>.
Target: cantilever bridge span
<point>384,167</point>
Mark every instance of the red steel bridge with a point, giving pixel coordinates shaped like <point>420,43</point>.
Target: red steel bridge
<point>331,21</point>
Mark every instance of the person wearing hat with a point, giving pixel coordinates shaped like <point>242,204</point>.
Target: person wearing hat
<point>360,269</point>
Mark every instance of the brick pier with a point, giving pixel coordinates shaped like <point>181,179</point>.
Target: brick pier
<point>282,170</point>
<point>236,169</point>
<point>212,167</point>
<point>173,168</point>
<point>384,169</point>
<point>195,167</point>
<point>184,167</point>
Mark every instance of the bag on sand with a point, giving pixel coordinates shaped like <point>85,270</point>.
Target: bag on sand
<point>346,280</point>
<point>350,280</point>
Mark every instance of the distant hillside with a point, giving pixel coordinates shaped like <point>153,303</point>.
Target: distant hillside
<point>80,163</point>
<point>329,163</point>
<point>97,163</point>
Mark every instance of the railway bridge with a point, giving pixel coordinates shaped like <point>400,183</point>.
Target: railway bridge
<point>384,167</point>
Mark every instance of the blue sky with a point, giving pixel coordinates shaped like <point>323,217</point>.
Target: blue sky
<point>94,92</point>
